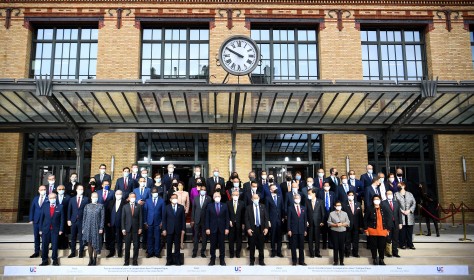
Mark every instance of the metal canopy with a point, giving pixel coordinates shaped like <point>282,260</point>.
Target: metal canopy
<point>316,106</point>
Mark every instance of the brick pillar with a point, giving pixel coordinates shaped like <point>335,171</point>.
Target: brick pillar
<point>123,146</point>
<point>451,185</point>
<point>15,49</point>
<point>336,147</point>
<point>220,146</point>
<point>11,149</point>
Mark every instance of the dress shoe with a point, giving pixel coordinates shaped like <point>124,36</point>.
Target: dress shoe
<point>211,263</point>
<point>237,256</point>
<point>94,262</point>
<point>149,256</point>
<point>294,264</point>
<point>55,263</point>
<point>90,262</point>
<point>388,255</point>
<point>318,256</point>
<point>168,263</point>
<point>375,262</point>
<point>222,263</point>
<point>412,248</point>
<point>347,255</point>
<point>428,234</point>
<point>203,255</point>
<point>126,263</point>
<point>437,234</point>
<point>272,255</point>
<point>81,254</point>
<point>356,255</point>
<point>135,263</point>
<point>334,263</point>
<point>194,256</point>
<point>72,255</point>
<point>341,263</point>
<point>119,254</point>
<point>111,254</point>
<point>262,263</point>
<point>252,264</point>
<point>311,255</point>
<point>231,256</point>
<point>35,255</point>
<point>302,263</point>
<point>381,262</point>
<point>330,247</point>
<point>280,255</point>
<point>396,255</point>
<point>324,247</point>
<point>44,263</point>
<point>403,247</point>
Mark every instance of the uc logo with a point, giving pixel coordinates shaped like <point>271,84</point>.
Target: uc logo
<point>440,269</point>
<point>32,268</point>
<point>238,269</point>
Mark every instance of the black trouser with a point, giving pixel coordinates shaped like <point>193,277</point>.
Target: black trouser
<point>326,235</point>
<point>314,239</point>
<point>173,238</point>
<point>132,235</point>
<point>256,240</point>
<point>377,244</point>
<point>352,240</point>
<point>406,236</point>
<point>217,240</point>
<point>115,235</point>
<point>235,239</point>
<point>37,236</point>
<point>50,237</point>
<point>109,238</point>
<point>435,222</point>
<point>338,241</point>
<point>63,241</point>
<point>394,235</point>
<point>275,237</point>
<point>297,240</point>
<point>76,233</point>
<point>199,231</point>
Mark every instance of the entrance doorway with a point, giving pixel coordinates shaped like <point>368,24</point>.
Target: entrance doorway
<point>183,170</point>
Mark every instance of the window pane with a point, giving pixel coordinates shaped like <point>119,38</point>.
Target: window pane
<point>146,51</point>
<point>147,34</point>
<point>85,50</point>
<point>372,36</point>
<point>48,34</point>
<point>94,34</point>
<point>86,34</point>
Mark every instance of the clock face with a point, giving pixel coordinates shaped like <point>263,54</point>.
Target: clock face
<point>239,55</point>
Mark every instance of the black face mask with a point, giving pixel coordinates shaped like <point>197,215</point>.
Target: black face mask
<point>218,190</point>
<point>175,185</point>
<point>288,178</point>
<point>399,174</point>
<point>337,173</point>
<point>92,183</point>
<point>252,178</point>
<point>270,180</point>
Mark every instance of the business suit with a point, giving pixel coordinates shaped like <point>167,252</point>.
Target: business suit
<point>51,226</point>
<point>315,212</point>
<point>166,181</point>
<point>34,217</point>
<point>359,189</point>
<point>63,242</point>
<point>142,194</point>
<point>235,230</point>
<point>366,179</point>
<point>192,182</point>
<point>290,201</point>
<point>52,187</point>
<point>395,220</point>
<point>352,232</point>
<point>248,196</point>
<point>75,213</point>
<point>133,179</point>
<point>174,223</point>
<point>211,184</point>
<point>106,177</point>
<point>217,223</point>
<point>125,185</point>
<point>334,182</point>
<point>256,219</point>
<point>198,216</point>
<point>71,188</point>
<point>285,188</point>
<point>342,193</point>
<point>297,226</point>
<point>113,221</point>
<point>110,196</point>
<point>154,208</point>
<point>131,224</point>
<point>370,191</point>
<point>328,208</point>
<point>276,212</point>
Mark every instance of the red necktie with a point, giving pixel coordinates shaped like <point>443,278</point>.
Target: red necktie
<point>78,201</point>
<point>320,183</point>
<point>104,195</point>
<point>125,185</point>
<point>51,212</point>
<point>131,206</point>
<point>391,205</point>
<point>298,210</point>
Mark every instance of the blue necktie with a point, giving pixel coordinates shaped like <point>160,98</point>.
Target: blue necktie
<point>217,209</point>
<point>327,202</point>
<point>174,207</point>
<point>275,199</point>
<point>257,222</point>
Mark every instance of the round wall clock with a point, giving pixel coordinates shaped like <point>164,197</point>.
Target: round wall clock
<point>239,55</point>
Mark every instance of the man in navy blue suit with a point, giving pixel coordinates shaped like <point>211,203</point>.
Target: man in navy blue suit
<point>357,185</point>
<point>52,185</point>
<point>51,226</point>
<point>113,222</point>
<point>370,191</point>
<point>75,212</point>
<point>250,192</point>
<point>105,194</point>
<point>333,180</point>
<point>63,199</point>
<point>148,180</point>
<point>290,196</point>
<point>297,224</point>
<point>142,192</point>
<point>328,198</point>
<point>275,208</point>
<point>169,177</point>
<point>343,189</point>
<point>367,177</point>
<point>35,215</point>
<point>154,208</point>
<point>217,226</point>
<point>101,177</point>
<point>125,183</point>
<point>174,224</point>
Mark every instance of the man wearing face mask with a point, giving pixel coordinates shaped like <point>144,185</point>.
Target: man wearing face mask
<point>102,176</point>
<point>63,199</point>
<point>315,208</point>
<point>169,177</point>
<point>370,191</point>
<point>299,179</point>
<point>90,188</point>
<point>333,180</point>
<point>236,187</point>
<point>249,194</point>
<point>217,227</point>
<point>198,218</point>
<point>275,208</point>
<point>51,227</point>
<point>328,198</point>
<point>236,222</point>
<point>197,176</point>
<point>343,189</point>
<point>105,194</point>
<point>213,180</point>
<point>256,224</point>
<point>35,215</point>
<point>252,177</point>
<point>285,186</point>
<point>153,213</point>
<point>142,193</point>
<point>125,183</point>
<point>290,196</point>
<point>265,189</point>
<point>357,185</point>
<point>399,177</point>
<point>320,180</point>
<point>113,222</point>
<point>75,213</point>
<point>394,223</point>
<point>52,185</point>
<point>263,179</point>
<point>308,186</point>
<point>297,223</point>
<point>382,187</point>
<point>149,181</point>
<point>367,177</point>
<point>354,212</point>
<point>174,224</point>
<point>71,185</point>
<point>132,225</point>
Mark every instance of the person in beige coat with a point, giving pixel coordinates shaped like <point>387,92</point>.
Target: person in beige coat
<point>183,199</point>
<point>407,207</point>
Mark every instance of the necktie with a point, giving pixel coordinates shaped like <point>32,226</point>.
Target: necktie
<point>313,202</point>
<point>275,199</point>
<point>352,183</point>
<point>60,199</point>
<point>134,176</point>
<point>217,209</point>
<point>215,180</point>
<point>154,201</point>
<point>235,207</point>
<point>391,205</point>
<point>257,219</point>
<point>202,200</point>
<point>346,189</point>
<point>133,208</point>
<point>171,175</point>
<point>320,183</point>
<point>125,184</point>
<point>327,202</point>
<point>298,210</point>
<point>174,209</point>
<point>352,207</point>
<point>102,177</point>
<point>141,192</point>
<point>41,201</point>
<point>370,176</point>
<point>78,201</point>
<point>104,195</point>
<point>50,188</point>
<point>376,191</point>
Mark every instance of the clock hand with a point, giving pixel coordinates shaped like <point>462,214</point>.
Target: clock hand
<point>236,53</point>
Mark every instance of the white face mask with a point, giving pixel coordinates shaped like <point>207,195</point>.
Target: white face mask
<point>381,180</point>
<point>134,170</point>
<point>102,171</point>
<point>216,174</point>
<point>370,171</point>
<point>132,199</point>
<point>264,177</point>
<point>126,174</point>
<point>235,197</point>
<point>118,197</point>
<point>170,170</point>
<point>377,202</point>
<point>351,197</point>
<point>155,195</point>
<point>352,177</point>
<point>295,190</point>
<point>327,188</point>
<point>42,193</point>
<point>310,184</point>
<point>202,192</point>
<point>254,189</point>
<point>52,201</point>
<point>255,201</point>
<point>310,197</point>
<point>73,180</point>
<point>158,180</point>
<point>236,185</point>
<point>391,180</point>
<point>80,192</point>
<point>174,201</point>
<point>197,174</point>
<point>61,192</point>
<point>320,175</point>
<point>217,199</point>
<point>51,182</point>
<point>390,196</point>
<point>144,175</point>
<point>142,184</point>
<point>344,181</point>
<point>94,200</point>
<point>297,201</point>
<point>338,208</point>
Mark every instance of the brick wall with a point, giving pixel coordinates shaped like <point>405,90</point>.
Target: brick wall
<point>11,149</point>
<point>451,185</point>
<point>123,146</point>
<point>336,147</point>
<point>220,147</point>
<point>15,49</point>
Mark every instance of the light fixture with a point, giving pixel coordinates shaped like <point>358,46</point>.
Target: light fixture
<point>348,164</point>
<point>464,170</point>
<point>287,159</point>
<point>162,158</point>
<point>298,159</point>
<point>145,159</point>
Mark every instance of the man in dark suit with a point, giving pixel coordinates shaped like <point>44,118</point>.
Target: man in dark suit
<point>275,208</point>
<point>174,224</point>
<point>297,223</point>
<point>357,185</point>
<point>252,177</point>
<point>299,179</point>
<point>63,199</point>
<point>395,217</point>
<point>101,177</point>
<point>236,217</point>
<point>154,208</point>
<point>290,196</point>
<point>319,181</point>
<point>148,180</point>
<point>131,224</point>
<point>75,212</point>
<point>217,227</point>
<point>354,211</point>
<point>315,213</point>
<point>35,215</point>
<point>367,177</point>
<point>51,227</point>
<point>328,198</point>
<point>134,176</point>
<point>105,194</point>
<point>113,221</point>
<point>169,177</point>
<point>52,184</point>
<point>370,191</point>
<point>249,193</point>
<point>198,219</point>
<point>212,181</point>
<point>256,224</point>
<point>399,177</point>
<point>333,180</point>
<point>343,189</point>
<point>71,185</point>
<point>125,183</point>
<point>285,186</point>
<point>193,179</point>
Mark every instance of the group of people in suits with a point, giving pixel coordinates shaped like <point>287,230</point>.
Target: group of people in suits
<point>332,209</point>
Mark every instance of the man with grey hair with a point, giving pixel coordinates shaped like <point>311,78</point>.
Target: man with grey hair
<point>297,224</point>
<point>256,224</point>
<point>217,227</point>
<point>236,222</point>
<point>212,181</point>
<point>51,227</point>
